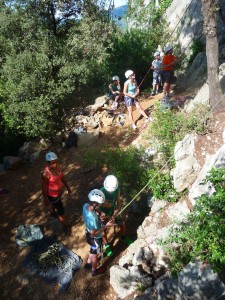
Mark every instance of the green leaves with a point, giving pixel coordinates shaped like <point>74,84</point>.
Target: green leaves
<point>202,235</point>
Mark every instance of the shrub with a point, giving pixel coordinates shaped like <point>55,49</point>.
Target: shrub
<point>202,234</point>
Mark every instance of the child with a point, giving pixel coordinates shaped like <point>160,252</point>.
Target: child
<point>94,229</point>
<point>115,91</point>
<point>157,69</point>
<point>111,207</point>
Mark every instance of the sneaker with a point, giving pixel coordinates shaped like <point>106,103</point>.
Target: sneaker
<point>98,271</point>
<point>108,250</point>
<point>156,92</point>
<point>126,240</point>
<point>149,119</point>
<point>134,126</point>
<point>87,266</point>
<point>152,93</point>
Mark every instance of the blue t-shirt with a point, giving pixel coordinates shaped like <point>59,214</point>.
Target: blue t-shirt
<point>91,220</point>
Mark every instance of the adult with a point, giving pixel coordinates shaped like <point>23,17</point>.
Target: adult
<point>131,91</point>
<point>168,63</point>
<point>115,91</point>
<point>52,186</point>
<point>111,208</point>
<point>94,229</point>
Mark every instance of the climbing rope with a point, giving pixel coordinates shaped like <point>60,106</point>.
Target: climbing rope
<point>205,117</point>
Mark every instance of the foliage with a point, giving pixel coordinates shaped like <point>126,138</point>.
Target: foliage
<point>161,185</point>
<point>171,126</point>
<point>202,235</point>
<point>124,164</point>
<point>197,46</point>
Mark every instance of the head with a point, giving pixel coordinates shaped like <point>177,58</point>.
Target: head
<point>115,78</point>
<point>169,49</point>
<point>157,55</point>
<point>96,198</point>
<point>129,74</point>
<point>51,158</point>
<point>111,183</point>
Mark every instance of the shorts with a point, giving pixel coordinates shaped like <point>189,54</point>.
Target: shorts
<point>130,101</point>
<point>57,203</point>
<point>168,76</point>
<point>156,78</point>
<point>95,243</point>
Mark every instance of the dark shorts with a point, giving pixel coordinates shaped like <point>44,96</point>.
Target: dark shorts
<point>130,101</point>
<point>168,76</point>
<point>96,244</point>
<point>57,203</point>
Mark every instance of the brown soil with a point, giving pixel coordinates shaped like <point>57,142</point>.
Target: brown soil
<point>24,205</point>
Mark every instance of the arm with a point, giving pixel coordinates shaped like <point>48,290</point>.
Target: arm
<point>112,91</point>
<point>96,232</point>
<point>63,179</point>
<point>45,178</point>
<point>118,206</point>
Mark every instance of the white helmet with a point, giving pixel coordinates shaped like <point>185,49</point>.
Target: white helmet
<point>51,156</point>
<point>111,183</point>
<point>156,53</point>
<point>115,78</point>
<point>128,73</point>
<point>96,196</point>
<point>168,48</point>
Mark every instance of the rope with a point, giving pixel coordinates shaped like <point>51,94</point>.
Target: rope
<point>204,120</point>
<point>169,39</point>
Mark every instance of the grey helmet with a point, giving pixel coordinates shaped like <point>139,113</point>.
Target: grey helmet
<point>115,78</point>
<point>96,196</point>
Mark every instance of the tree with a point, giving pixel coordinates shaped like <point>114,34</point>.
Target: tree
<point>209,11</point>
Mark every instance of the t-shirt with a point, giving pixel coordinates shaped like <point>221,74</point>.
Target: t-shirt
<point>110,197</point>
<point>167,59</point>
<point>131,88</point>
<point>91,220</point>
<point>157,64</point>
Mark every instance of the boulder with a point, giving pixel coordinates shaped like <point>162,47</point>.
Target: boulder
<point>11,162</point>
<point>202,97</point>
<point>88,138</point>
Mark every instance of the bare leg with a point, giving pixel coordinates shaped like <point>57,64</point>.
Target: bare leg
<point>141,110</point>
<point>130,112</point>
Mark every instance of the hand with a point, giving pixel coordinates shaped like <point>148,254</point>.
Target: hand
<point>110,224</point>
<point>112,219</point>
<point>102,216</point>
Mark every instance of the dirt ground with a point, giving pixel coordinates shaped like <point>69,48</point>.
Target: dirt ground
<point>24,205</point>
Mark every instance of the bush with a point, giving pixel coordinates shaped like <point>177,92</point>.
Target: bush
<point>202,235</point>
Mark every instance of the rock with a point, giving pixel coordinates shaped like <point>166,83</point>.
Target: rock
<point>101,100</point>
<point>12,162</point>
<point>28,149</point>
<point>202,97</point>
<point>87,139</point>
<point>121,281</point>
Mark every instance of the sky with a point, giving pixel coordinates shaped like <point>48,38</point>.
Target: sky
<point>120,2</point>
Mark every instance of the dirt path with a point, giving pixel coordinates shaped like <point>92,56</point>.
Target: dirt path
<point>24,205</point>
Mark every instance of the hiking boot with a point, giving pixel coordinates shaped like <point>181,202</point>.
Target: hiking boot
<point>87,266</point>
<point>126,240</point>
<point>98,271</point>
<point>108,250</point>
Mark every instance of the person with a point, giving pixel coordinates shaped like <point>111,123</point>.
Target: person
<point>157,69</point>
<point>115,91</point>
<point>52,185</point>
<point>111,208</point>
<point>94,229</point>
<point>168,64</point>
<point>131,91</point>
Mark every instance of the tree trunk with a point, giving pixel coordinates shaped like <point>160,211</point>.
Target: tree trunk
<point>209,11</point>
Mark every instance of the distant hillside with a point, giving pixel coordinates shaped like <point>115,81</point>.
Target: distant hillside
<point>119,15</point>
